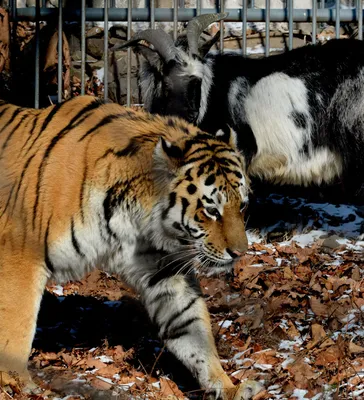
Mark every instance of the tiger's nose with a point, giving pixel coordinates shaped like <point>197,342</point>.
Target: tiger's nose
<point>234,253</point>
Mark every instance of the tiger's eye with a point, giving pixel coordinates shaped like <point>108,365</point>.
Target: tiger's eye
<point>213,212</point>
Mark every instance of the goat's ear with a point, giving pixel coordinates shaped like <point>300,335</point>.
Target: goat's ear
<point>167,159</point>
<point>151,56</point>
<point>228,135</point>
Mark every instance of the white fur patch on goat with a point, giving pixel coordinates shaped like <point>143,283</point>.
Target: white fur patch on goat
<point>277,110</point>
<point>207,77</point>
<point>150,88</point>
<point>269,107</point>
<point>321,166</point>
<point>237,93</point>
<point>193,66</point>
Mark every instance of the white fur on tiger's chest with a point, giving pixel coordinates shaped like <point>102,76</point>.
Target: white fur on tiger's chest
<point>95,241</point>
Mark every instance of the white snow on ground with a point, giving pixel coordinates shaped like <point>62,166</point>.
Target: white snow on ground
<point>260,49</point>
<point>105,359</point>
<point>343,220</point>
<point>58,290</point>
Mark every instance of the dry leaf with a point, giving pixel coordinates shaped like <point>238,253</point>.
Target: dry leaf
<point>327,356</point>
<point>317,307</point>
<point>170,390</point>
<point>95,363</point>
<point>319,335</point>
<point>354,348</point>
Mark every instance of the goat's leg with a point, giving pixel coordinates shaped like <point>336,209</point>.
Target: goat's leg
<point>22,283</point>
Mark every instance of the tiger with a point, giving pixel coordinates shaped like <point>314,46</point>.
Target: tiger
<point>88,183</point>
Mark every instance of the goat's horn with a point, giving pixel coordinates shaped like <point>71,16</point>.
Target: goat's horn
<point>162,42</point>
<point>197,25</point>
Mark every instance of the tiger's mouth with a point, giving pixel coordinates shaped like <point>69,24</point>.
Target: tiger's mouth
<point>210,266</point>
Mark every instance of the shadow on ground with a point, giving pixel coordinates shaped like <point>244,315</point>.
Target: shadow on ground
<point>85,322</point>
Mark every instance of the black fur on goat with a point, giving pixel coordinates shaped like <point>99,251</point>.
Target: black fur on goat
<point>299,116</point>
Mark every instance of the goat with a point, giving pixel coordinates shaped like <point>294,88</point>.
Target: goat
<point>299,116</point>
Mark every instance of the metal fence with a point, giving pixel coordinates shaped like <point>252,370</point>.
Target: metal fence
<point>317,14</point>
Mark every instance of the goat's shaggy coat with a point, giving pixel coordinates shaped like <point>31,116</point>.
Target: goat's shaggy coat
<point>299,116</point>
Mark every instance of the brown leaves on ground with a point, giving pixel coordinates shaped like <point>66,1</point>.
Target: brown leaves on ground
<point>290,317</point>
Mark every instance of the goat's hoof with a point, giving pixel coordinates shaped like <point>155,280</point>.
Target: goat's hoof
<point>247,390</point>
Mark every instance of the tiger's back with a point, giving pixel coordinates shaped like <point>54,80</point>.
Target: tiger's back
<point>61,148</point>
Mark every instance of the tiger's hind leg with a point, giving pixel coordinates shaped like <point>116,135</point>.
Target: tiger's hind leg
<point>176,305</point>
<point>22,283</point>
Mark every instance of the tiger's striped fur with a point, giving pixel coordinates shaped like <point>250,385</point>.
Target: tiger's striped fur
<point>85,183</point>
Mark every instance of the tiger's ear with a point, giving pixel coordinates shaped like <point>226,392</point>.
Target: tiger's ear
<point>170,149</point>
<point>167,158</point>
<point>228,136</point>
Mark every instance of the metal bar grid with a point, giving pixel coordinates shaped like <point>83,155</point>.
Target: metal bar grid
<point>175,18</point>
<point>244,27</point>
<point>290,24</point>
<point>152,14</point>
<point>37,55</point>
<point>60,50</point>
<point>337,19</point>
<point>128,60</point>
<point>83,46</point>
<point>267,27</point>
<point>186,14</point>
<point>222,33</point>
<point>359,15</point>
<point>314,21</point>
<point>106,49</point>
<point>318,13</point>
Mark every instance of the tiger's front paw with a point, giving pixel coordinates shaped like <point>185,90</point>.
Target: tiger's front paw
<point>247,390</point>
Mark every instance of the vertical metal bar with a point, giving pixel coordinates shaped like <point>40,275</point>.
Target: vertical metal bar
<point>13,14</point>
<point>252,4</point>
<point>290,24</point>
<point>36,77</point>
<point>322,5</point>
<point>13,9</point>
<point>198,7</point>
<point>44,3</point>
<point>152,14</point>
<point>314,21</point>
<point>60,50</point>
<point>267,27</point>
<point>359,13</point>
<point>83,46</point>
<point>244,11</point>
<point>128,60</point>
<point>337,20</point>
<point>222,7</point>
<point>175,18</point>
<point>106,49</point>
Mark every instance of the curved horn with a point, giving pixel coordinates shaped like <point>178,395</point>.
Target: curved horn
<point>197,25</point>
<point>162,42</point>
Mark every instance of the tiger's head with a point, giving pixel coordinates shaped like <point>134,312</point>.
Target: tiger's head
<point>204,194</point>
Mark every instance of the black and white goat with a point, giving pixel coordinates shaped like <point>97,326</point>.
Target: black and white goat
<point>299,116</point>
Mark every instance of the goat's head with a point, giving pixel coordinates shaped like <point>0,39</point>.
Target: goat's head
<point>172,72</point>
